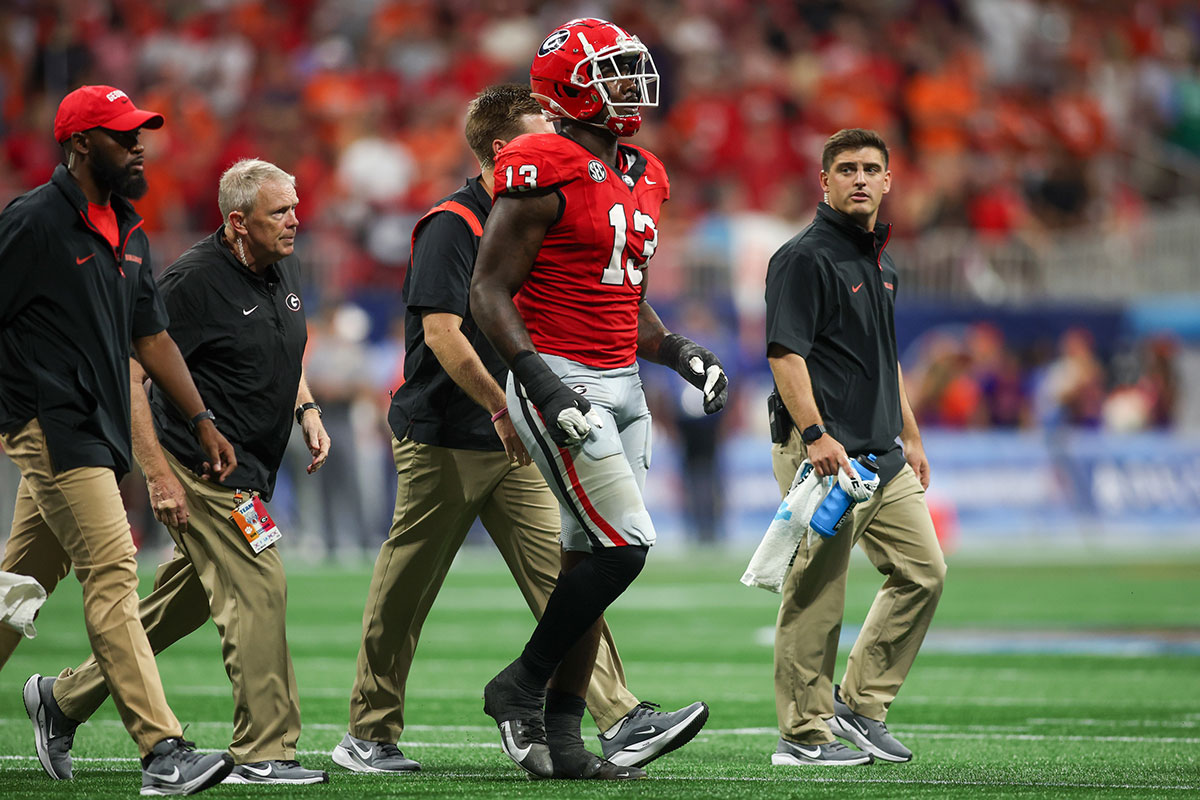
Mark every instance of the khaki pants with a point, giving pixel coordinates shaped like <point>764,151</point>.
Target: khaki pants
<point>215,573</point>
<point>895,531</point>
<point>440,492</point>
<point>76,518</point>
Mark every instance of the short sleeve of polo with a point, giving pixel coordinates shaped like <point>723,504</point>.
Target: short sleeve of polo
<point>442,260</point>
<point>18,256</point>
<point>149,313</point>
<point>797,300</point>
<point>185,309</point>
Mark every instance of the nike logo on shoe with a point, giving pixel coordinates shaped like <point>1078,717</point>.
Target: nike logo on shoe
<point>248,312</point>
<point>852,288</point>
<point>86,258</point>
<point>169,777</point>
<point>363,754</point>
<point>263,771</point>
<point>510,745</point>
<point>804,751</point>
<point>649,730</point>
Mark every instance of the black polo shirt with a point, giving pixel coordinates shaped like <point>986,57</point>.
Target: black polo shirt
<point>69,306</point>
<point>430,407</point>
<point>831,298</point>
<point>243,337</point>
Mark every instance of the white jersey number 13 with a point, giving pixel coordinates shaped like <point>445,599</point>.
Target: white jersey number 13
<point>614,274</point>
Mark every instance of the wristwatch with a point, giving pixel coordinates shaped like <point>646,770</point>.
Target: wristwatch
<point>812,433</point>
<point>203,415</point>
<point>305,407</point>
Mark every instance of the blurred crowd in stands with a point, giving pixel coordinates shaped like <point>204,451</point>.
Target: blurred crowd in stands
<point>1012,119</point>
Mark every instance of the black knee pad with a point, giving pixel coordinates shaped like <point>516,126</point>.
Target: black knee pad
<point>618,566</point>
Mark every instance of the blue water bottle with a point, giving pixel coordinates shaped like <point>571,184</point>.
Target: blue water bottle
<point>836,507</point>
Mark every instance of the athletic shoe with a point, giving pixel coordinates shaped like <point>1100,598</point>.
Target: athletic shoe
<point>576,763</point>
<point>865,734</point>
<point>174,767</point>
<point>830,754</point>
<point>515,702</point>
<point>645,733</point>
<point>275,772</point>
<point>53,731</point>
<point>360,755</point>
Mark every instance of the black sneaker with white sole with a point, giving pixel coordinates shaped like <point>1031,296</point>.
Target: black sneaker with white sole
<point>646,733</point>
<point>275,771</point>
<point>174,767</point>
<point>514,699</point>
<point>360,755</point>
<point>829,754</point>
<point>53,731</point>
<point>576,763</point>
<point>864,733</point>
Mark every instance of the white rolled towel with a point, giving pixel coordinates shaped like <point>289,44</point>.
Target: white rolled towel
<point>20,598</point>
<point>773,559</point>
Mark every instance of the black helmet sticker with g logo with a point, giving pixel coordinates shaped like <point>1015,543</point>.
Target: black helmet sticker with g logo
<point>553,42</point>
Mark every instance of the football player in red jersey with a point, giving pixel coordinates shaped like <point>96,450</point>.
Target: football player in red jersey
<point>559,290</point>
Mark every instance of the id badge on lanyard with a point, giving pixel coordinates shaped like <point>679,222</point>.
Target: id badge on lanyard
<point>255,523</point>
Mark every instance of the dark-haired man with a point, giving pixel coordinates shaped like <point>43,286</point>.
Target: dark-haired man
<point>574,224</point>
<point>831,344</point>
<point>458,459</point>
<point>78,294</point>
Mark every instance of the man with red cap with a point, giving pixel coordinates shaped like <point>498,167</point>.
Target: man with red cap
<point>79,298</point>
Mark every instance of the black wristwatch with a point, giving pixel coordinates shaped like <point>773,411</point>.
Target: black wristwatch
<point>812,433</point>
<point>305,407</point>
<point>203,415</point>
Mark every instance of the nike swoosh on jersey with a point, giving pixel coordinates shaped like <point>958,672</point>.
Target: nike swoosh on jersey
<point>88,257</point>
<point>852,288</point>
<point>261,771</point>
<point>650,182</point>
<point>248,312</point>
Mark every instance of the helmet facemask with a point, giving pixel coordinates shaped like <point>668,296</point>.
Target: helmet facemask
<point>627,64</point>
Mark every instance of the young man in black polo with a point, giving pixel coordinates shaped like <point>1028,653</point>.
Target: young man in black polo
<point>831,344</point>
<point>78,293</point>
<point>458,459</point>
<point>234,301</point>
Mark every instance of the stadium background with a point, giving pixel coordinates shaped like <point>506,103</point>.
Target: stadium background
<point>1046,202</point>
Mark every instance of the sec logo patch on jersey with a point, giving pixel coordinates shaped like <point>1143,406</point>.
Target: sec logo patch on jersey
<point>597,171</point>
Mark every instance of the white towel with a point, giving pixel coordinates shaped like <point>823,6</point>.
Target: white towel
<point>773,559</point>
<point>20,598</point>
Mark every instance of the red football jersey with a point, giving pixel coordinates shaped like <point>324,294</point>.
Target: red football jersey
<point>581,298</point>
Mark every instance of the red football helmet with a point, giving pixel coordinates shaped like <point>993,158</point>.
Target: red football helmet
<point>576,71</point>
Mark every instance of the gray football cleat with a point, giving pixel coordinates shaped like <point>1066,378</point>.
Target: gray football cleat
<point>275,771</point>
<point>174,767</point>
<point>645,733</point>
<point>866,734</point>
<point>360,755</point>
<point>53,731</point>
<point>516,703</point>
<point>829,754</point>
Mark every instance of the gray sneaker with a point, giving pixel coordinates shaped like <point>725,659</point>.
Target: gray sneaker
<point>514,700</point>
<point>174,767</point>
<point>359,755</point>
<point>275,771</point>
<point>830,754</point>
<point>645,733</point>
<point>53,731</point>
<point>864,733</point>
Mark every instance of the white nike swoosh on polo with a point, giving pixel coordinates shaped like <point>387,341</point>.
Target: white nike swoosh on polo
<point>518,753</point>
<point>170,777</point>
<point>363,754</point>
<point>260,771</point>
<point>246,313</point>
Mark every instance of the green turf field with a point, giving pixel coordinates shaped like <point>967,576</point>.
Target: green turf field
<point>1037,681</point>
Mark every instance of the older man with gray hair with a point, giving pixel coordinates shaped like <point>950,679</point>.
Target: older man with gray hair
<point>236,314</point>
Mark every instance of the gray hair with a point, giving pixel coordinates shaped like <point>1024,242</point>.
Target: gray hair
<point>239,184</point>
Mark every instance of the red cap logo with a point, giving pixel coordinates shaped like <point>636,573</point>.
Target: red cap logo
<point>100,107</point>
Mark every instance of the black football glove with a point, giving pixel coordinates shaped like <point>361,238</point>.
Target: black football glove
<point>563,409</point>
<point>699,367</point>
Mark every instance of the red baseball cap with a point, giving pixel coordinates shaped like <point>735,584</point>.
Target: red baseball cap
<point>100,107</point>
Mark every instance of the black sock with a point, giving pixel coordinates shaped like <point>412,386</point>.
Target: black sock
<point>578,600</point>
